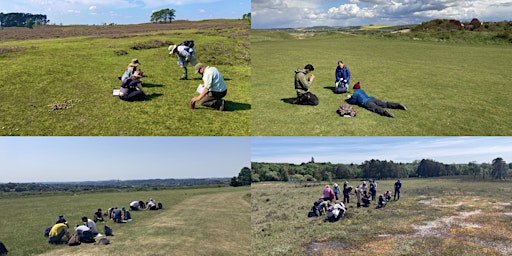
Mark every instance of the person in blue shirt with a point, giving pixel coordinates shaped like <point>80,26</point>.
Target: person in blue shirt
<point>342,75</point>
<point>371,103</point>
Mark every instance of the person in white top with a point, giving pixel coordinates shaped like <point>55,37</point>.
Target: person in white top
<point>90,224</point>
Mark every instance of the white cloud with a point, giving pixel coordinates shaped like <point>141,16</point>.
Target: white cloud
<point>92,8</point>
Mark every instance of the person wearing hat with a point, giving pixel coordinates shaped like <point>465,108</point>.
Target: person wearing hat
<point>342,75</point>
<point>214,88</point>
<point>302,86</point>
<point>131,89</point>
<point>185,55</point>
<point>132,67</point>
<point>371,103</point>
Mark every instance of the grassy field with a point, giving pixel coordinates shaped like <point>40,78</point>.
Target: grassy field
<point>78,73</point>
<point>202,221</point>
<point>432,217</point>
<point>450,89</point>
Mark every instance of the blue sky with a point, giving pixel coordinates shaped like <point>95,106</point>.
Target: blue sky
<point>125,11</point>
<point>356,150</point>
<point>37,159</point>
<point>305,13</point>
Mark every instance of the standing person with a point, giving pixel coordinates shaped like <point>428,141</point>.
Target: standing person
<point>371,103</point>
<point>90,224</point>
<point>398,186</point>
<point>336,190</point>
<point>346,192</point>
<point>359,192</point>
<point>131,89</point>
<point>59,233</point>
<point>132,67</point>
<point>302,86</point>
<point>214,88</point>
<point>373,189</point>
<point>185,55</point>
<point>342,75</point>
<point>328,193</point>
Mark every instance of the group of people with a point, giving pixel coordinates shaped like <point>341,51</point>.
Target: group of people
<point>304,80</point>
<point>365,194</point>
<point>211,91</point>
<point>59,232</point>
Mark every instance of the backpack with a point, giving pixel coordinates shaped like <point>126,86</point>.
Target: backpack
<point>3,250</point>
<point>188,43</point>
<point>108,231</point>
<point>346,110</point>
<point>160,206</point>
<point>74,240</point>
<point>47,231</point>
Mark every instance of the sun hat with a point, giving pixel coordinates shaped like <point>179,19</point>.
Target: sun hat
<point>356,86</point>
<point>171,48</point>
<point>198,66</point>
<point>134,63</point>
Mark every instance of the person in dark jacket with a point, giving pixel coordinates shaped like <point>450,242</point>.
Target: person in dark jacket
<point>131,89</point>
<point>398,186</point>
<point>371,103</point>
<point>342,75</point>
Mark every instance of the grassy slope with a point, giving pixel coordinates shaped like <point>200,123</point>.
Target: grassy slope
<point>420,223</point>
<point>85,70</point>
<point>450,89</point>
<point>191,217</point>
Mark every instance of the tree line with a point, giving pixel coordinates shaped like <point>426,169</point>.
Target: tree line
<point>372,169</point>
<point>22,19</point>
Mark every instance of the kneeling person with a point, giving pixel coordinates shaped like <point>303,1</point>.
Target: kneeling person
<point>59,233</point>
<point>214,88</point>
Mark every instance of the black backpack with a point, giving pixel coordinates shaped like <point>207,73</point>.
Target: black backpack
<point>188,43</point>
<point>3,250</point>
<point>47,231</point>
<point>160,206</point>
<point>108,231</point>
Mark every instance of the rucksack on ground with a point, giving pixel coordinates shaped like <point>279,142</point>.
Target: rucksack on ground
<point>74,240</point>
<point>160,206</point>
<point>108,231</point>
<point>188,43</point>
<point>346,110</point>
<point>47,231</point>
<point>3,250</point>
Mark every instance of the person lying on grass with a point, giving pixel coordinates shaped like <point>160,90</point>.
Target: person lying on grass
<point>371,103</point>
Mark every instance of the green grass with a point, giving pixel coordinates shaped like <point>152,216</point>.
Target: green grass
<point>85,70</point>
<point>450,89</point>
<point>192,222</point>
<point>425,221</point>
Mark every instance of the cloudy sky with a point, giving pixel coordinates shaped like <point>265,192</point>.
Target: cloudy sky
<point>125,11</point>
<point>356,150</point>
<point>304,13</point>
<point>39,159</point>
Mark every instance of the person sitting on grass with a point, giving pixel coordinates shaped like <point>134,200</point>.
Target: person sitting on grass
<point>131,89</point>
<point>90,224</point>
<point>214,88</point>
<point>371,103</point>
<point>381,201</point>
<point>302,86</point>
<point>132,67</point>
<point>366,199</point>
<point>59,233</point>
<point>151,204</point>
<point>342,75</point>
<point>98,216</point>
<point>126,214</point>
<point>61,219</point>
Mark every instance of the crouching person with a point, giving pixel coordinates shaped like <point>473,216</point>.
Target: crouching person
<point>85,234</point>
<point>59,233</point>
<point>131,88</point>
<point>335,211</point>
<point>381,202</point>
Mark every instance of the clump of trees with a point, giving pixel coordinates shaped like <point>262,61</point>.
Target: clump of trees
<point>163,16</point>
<point>22,19</point>
<point>375,169</point>
<point>244,178</point>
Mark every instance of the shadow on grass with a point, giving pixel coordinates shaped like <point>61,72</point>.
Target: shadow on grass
<point>153,96</point>
<point>330,88</point>
<point>288,100</point>
<point>149,85</point>
<point>230,106</point>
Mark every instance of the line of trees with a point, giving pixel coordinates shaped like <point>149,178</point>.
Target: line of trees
<point>22,19</point>
<point>375,169</point>
<point>163,16</point>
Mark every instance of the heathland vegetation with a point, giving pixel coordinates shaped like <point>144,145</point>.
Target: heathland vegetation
<point>58,80</point>
<point>430,73</point>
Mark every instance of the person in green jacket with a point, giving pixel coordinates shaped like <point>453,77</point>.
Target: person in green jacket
<point>302,86</point>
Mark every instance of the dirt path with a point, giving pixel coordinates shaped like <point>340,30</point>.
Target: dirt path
<point>217,224</point>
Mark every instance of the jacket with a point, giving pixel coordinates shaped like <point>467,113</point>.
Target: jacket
<point>359,97</point>
<point>342,74</point>
<point>302,83</point>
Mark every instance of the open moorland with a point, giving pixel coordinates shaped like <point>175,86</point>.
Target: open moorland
<point>450,88</point>
<point>432,217</point>
<point>193,221</point>
<point>58,80</point>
